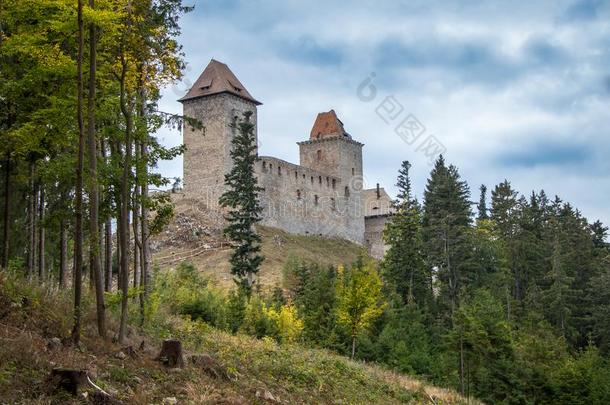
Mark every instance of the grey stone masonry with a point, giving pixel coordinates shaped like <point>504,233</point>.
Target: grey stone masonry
<point>323,195</point>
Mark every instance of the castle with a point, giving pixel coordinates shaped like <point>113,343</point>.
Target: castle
<point>322,195</point>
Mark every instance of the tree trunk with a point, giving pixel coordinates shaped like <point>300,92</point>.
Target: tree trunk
<point>125,200</point>
<point>78,232</point>
<point>144,234</point>
<point>461,366</point>
<point>6,213</point>
<point>42,270</point>
<point>31,221</point>
<point>353,347</point>
<point>94,202</point>
<point>63,253</point>
<point>107,233</point>
<point>135,214</point>
<point>108,254</point>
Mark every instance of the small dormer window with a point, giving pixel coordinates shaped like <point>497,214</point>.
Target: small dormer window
<point>235,87</point>
<point>206,85</point>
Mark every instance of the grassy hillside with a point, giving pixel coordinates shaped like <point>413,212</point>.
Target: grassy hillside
<point>251,371</point>
<point>278,246</point>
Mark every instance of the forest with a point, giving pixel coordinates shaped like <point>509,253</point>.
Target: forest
<point>506,299</point>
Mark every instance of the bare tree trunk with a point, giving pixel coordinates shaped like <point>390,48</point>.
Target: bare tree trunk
<point>461,366</point>
<point>94,200</point>
<point>31,220</point>
<point>42,270</point>
<point>144,234</point>
<point>107,234</point>
<point>135,214</point>
<point>353,346</point>
<point>108,255</point>
<point>125,200</point>
<point>78,233</point>
<point>6,213</point>
<point>63,252</point>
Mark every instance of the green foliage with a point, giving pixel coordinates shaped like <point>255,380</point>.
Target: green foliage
<point>359,299</point>
<point>403,265</point>
<point>241,198</point>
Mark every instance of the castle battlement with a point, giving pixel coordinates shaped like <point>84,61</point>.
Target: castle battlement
<point>322,195</point>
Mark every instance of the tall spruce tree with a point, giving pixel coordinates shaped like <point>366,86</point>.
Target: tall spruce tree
<point>241,198</point>
<point>482,206</point>
<point>403,265</point>
<point>446,222</point>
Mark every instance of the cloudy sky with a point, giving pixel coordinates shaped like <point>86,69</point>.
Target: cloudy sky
<point>511,89</point>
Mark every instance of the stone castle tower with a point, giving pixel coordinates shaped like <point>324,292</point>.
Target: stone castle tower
<point>323,195</point>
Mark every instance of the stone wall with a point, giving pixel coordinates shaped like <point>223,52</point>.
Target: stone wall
<point>304,201</point>
<point>207,159</point>
<point>373,235</point>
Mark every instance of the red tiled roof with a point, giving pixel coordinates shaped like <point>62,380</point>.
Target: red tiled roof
<point>327,125</point>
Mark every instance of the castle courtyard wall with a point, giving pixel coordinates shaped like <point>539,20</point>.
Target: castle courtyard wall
<point>304,201</point>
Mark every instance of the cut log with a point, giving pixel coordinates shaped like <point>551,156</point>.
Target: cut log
<point>67,379</point>
<point>171,354</point>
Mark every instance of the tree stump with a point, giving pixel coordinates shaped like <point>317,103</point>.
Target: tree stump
<point>171,354</point>
<point>67,379</point>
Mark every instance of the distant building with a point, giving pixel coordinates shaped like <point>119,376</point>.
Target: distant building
<point>323,195</point>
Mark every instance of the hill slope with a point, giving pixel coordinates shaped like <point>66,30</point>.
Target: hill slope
<point>250,371</point>
<point>195,235</point>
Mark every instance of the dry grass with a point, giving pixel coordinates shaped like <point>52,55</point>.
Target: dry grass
<point>278,246</point>
<point>30,316</point>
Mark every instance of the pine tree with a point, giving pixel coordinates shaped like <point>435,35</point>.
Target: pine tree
<point>446,222</point>
<point>482,206</point>
<point>241,198</point>
<point>403,265</point>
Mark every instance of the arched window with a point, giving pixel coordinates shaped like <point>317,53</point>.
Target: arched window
<point>298,194</point>
<point>296,175</point>
<point>346,191</point>
<point>279,170</point>
<point>320,180</point>
<point>333,205</point>
<point>264,166</point>
<point>353,171</point>
<point>334,183</point>
<point>319,154</point>
<point>315,199</point>
<point>311,179</point>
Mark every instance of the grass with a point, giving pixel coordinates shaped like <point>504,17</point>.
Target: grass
<point>31,315</point>
<point>277,247</point>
